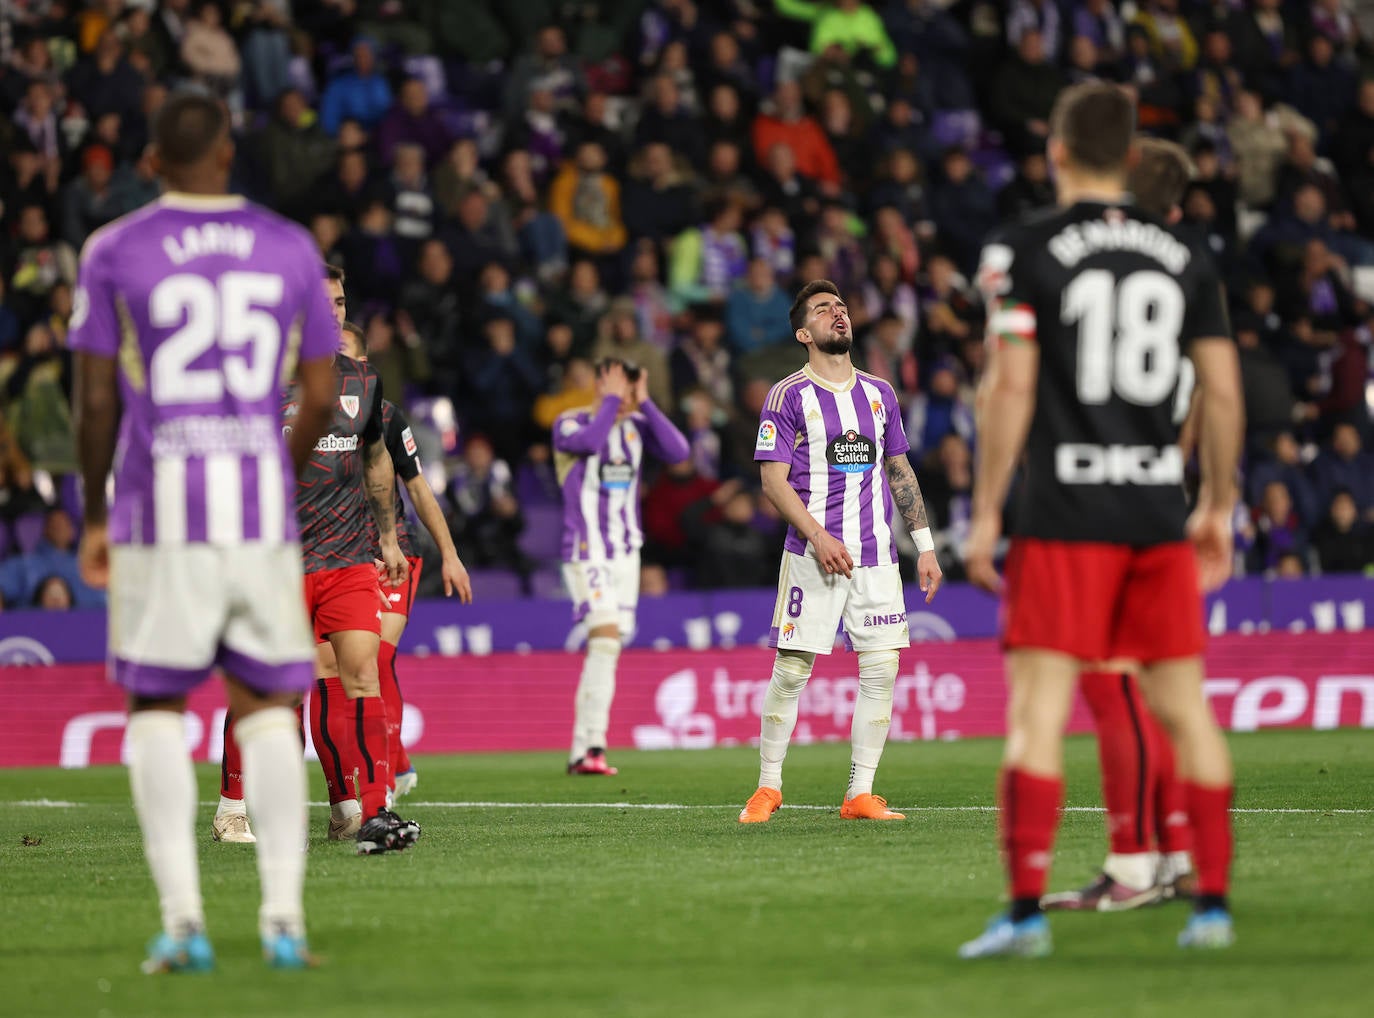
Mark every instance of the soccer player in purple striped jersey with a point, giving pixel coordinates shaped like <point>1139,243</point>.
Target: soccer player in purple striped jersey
<point>833,461</point>
<point>598,456</point>
<point>190,314</point>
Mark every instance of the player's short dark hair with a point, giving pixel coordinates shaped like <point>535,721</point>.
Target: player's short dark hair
<point>1159,179</point>
<point>333,273</point>
<point>187,127</point>
<point>357,332</point>
<point>1096,123</point>
<point>797,316</point>
<point>630,368</point>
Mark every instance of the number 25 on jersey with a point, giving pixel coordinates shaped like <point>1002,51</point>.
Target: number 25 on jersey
<point>228,313</point>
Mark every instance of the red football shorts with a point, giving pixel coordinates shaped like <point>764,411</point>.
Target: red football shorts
<point>399,600</point>
<point>1096,601</point>
<point>339,600</point>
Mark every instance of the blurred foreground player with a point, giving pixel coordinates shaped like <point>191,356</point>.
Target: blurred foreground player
<point>405,457</point>
<point>189,316</point>
<point>599,455</point>
<point>1146,811</point>
<point>1091,310</point>
<point>833,461</point>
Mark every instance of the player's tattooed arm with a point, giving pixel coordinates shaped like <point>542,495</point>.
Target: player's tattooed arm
<point>379,477</point>
<point>906,492</point>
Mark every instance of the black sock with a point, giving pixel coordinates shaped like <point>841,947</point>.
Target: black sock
<point>1024,908</point>
<point>1207,902</point>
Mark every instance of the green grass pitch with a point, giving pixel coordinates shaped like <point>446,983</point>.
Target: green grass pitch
<point>608,910</point>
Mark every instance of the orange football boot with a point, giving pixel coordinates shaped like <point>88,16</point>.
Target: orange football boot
<point>868,807</point>
<point>760,806</point>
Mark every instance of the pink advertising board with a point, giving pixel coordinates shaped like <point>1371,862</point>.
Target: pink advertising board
<point>68,715</point>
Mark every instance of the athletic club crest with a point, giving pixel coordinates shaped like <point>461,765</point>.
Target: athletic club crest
<point>350,406</point>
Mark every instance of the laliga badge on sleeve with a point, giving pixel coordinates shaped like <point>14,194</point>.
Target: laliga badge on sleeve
<point>768,437</point>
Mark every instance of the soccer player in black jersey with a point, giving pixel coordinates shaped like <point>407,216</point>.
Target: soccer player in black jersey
<point>1150,842</point>
<point>405,455</point>
<point>348,477</point>
<point>1092,308</point>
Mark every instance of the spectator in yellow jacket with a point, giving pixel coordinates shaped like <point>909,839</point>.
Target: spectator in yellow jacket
<point>587,200</point>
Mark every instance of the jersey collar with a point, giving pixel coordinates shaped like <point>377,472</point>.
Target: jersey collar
<point>831,386</point>
<point>201,202</point>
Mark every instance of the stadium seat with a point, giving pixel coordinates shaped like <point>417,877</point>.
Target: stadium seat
<point>548,584</point>
<point>956,127</point>
<point>530,490</point>
<point>28,531</point>
<point>542,539</point>
<point>495,585</point>
<point>70,488</point>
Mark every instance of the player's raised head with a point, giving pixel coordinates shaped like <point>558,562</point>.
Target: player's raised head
<point>191,143</point>
<point>819,318</point>
<point>1159,178</point>
<point>353,341</point>
<point>801,307</point>
<point>1092,130</point>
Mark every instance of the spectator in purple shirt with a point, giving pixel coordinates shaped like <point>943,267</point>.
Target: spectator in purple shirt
<point>1099,21</point>
<point>412,120</point>
<point>1278,531</point>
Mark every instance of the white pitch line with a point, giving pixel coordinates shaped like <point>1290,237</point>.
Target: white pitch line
<point>808,806</point>
<point>62,804</point>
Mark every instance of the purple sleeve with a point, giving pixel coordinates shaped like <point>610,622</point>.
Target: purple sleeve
<point>894,435</point>
<point>94,323</point>
<point>570,435</point>
<point>319,331</point>
<point>663,437</point>
<point>777,427</point>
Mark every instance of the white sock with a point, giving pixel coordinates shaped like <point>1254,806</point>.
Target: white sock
<point>345,810</point>
<point>164,789</point>
<point>594,694</point>
<point>1135,870</point>
<point>229,807</point>
<point>872,718</point>
<point>1180,864</point>
<point>791,669</point>
<point>274,782</point>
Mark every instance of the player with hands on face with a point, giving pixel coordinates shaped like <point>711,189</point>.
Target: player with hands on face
<point>599,456</point>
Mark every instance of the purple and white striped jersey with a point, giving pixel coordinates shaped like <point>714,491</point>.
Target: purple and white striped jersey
<point>598,461</point>
<point>207,304</point>
<point>836,438</point>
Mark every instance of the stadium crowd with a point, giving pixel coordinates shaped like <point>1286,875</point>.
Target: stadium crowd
<point>516,190</point>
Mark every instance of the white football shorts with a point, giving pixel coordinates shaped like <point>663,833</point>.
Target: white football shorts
<point>177,611</point>
<point>812,603</point>
<point>605,593</point>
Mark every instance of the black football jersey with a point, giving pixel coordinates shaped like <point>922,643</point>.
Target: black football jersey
<point>1113,298</point>
<point>405,457</point>
<point>330,501</point>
